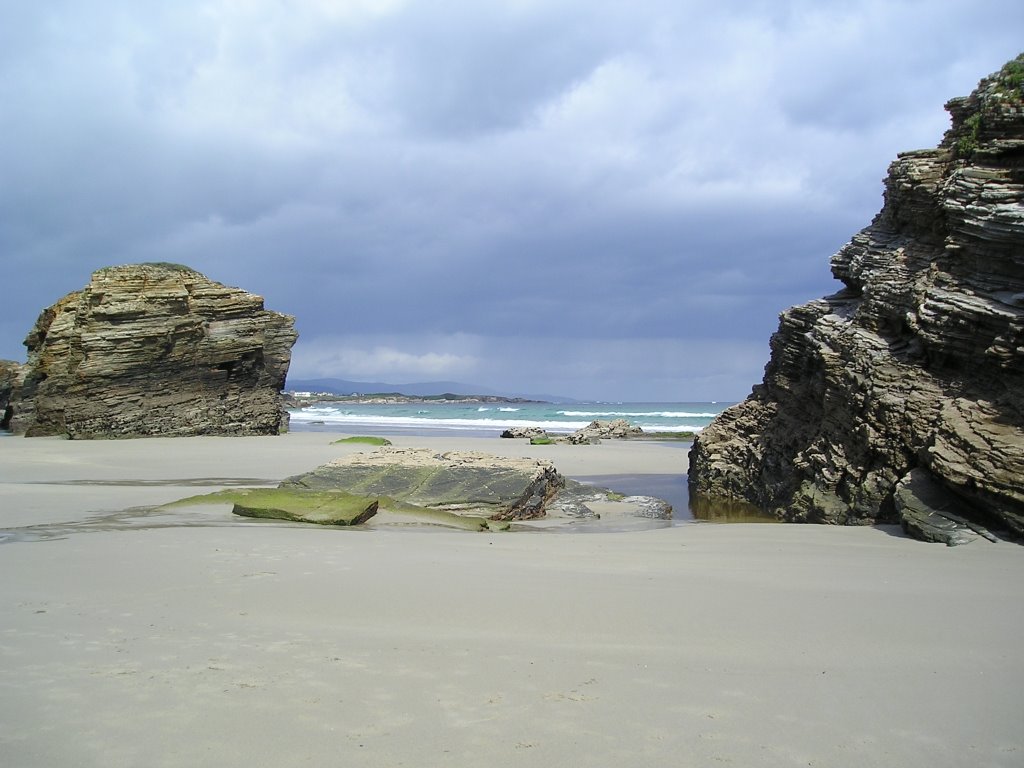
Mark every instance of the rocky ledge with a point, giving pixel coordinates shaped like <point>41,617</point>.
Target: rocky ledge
<point>901,398</point>
<point>594,432</point>
<point>456,481</point>
<point>154,349</point>
<point>456,489</point>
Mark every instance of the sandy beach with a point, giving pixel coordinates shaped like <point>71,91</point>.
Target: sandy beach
<point>131,638</point>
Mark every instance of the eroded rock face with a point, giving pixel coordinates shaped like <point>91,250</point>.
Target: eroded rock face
<point>155,349</point>
<point>917,365</point>
<point>10,372</point>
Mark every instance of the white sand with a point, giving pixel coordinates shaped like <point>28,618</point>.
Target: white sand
<point>250,643</point>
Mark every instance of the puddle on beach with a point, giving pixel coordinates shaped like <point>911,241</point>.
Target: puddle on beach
<point>136,519</point>
<point>674,489</point>
<point>718,511</point>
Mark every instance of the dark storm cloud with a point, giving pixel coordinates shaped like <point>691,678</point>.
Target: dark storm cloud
<point>592,198</point>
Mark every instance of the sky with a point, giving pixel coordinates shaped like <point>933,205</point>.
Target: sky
<point>586,198</point>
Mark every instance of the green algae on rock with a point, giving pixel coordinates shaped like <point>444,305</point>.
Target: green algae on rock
<point>319,507</point>
<point>363,440</point>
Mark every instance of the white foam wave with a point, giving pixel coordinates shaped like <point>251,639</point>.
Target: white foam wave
<point>344,418</point>
<point>333,416</point>
<point>639,414</point>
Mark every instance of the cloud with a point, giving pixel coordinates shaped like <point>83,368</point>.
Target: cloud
<point>643,368</point>
<point>399,173</point>
<point>387,358</point>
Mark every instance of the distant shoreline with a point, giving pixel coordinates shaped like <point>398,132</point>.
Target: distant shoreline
<point>304,399</point>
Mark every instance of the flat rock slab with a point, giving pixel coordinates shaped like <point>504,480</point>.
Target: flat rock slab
<point>458,489</point>
<point>464,481</point>
<point>469,483</point>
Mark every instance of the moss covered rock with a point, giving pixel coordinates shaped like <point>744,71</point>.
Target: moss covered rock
<point>320,507</point>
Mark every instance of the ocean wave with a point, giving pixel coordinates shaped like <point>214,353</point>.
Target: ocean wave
<point>340,417</point>
<point>330,416</point>
<point>639,414</point>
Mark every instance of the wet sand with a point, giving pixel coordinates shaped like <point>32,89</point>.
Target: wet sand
<point>129,640</point>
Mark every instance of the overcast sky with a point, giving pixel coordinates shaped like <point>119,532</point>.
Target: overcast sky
<point>589,198</point>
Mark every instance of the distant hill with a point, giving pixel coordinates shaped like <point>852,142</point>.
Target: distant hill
<point>418,389</point>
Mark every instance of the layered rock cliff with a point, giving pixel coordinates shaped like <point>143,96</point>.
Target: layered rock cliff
<point>154,349</point>
<point>901,398</point>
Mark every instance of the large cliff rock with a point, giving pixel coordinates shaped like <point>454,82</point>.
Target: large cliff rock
<point>154,349</point>
<point>907,386</point>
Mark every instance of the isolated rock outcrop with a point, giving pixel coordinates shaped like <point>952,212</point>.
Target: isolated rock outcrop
<point>908,383</point>
<point>619,429</point>
<point>469,484</point>
<point>494,487</point>
<point>594,432</point>
<point>154,349</point>
<point>528,433</point>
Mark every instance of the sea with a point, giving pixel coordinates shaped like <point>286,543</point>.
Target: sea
<point>491,419</point>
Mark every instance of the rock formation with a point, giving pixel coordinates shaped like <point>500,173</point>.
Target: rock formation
<point>470,485</point>
<point>594,432</point>
<point>154,349</point>
<point>516,433</point>
<point>901,398</point>
<point>498,488</point>
<point>619,429</point>
<point>9,374</point>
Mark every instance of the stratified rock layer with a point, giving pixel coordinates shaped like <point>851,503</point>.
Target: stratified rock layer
<point>154,349</point>
<point>916,367</point>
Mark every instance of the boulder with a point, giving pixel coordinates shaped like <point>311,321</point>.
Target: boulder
<point>470,484</point>
<point>912,375</point>
<point>524,432</point>
<point>154,349</point>
<point>462,481</point>
<point>619,429</point>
